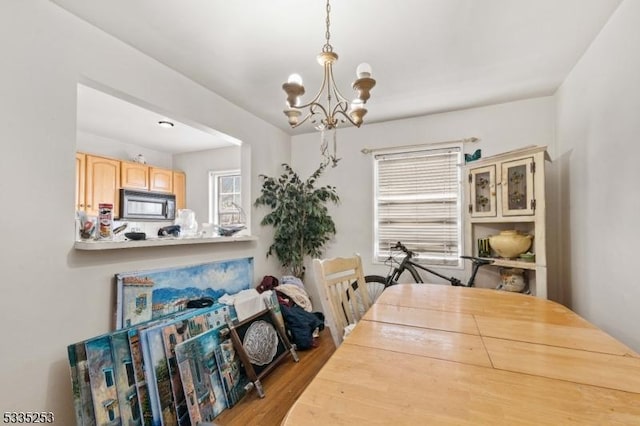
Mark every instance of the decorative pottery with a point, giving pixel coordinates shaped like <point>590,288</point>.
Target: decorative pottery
<point>511,279</point>
<point>528,257</point>
<point>510,244</point>
<point>484,249</point>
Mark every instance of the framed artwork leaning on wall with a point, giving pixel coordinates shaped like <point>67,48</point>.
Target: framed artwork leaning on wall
<point>261,343</point>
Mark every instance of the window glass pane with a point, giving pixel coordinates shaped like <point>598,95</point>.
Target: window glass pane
<point>418,198</point>
<point>225,198</point>
<point>131,379</point>
<point>226,184</point>
<point>226,203</point>
<point>108,377</point>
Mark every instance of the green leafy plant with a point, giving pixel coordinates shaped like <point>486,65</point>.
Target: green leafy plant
<point>299,216</point>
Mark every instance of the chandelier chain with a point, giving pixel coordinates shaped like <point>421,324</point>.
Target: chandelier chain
<point>327,46</point>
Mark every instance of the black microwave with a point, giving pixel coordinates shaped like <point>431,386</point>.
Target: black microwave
<point>145,205</point>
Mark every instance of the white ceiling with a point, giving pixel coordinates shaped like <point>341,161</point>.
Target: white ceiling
<point>428,56</point>
<point>115,118</point>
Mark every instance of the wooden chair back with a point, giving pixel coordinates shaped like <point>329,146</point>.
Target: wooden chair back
<point>337,276</point>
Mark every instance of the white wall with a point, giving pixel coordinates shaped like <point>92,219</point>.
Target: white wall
<point>598,123</point>
<point>99,145</point>
<point>500,128</point>
<point>53,295</point>
<point>197,166</point>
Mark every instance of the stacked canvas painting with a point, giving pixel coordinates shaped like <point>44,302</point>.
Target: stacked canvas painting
<point>166,363</point>
<point>146,295</point>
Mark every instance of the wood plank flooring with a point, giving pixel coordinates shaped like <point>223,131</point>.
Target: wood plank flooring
<point>281,387</point>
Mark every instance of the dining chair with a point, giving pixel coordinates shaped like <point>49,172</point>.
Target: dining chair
<point>346,303</point>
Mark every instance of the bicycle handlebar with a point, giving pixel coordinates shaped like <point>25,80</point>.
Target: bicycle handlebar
<point>401,247</point>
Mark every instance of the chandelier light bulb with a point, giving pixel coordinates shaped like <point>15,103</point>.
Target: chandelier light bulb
<point>363,70</point>
<point>295,79</point>
<point>357,104</point>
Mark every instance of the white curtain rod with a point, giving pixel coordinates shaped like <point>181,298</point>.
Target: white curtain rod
<point>465,140</point>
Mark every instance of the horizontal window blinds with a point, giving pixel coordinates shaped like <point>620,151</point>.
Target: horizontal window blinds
<point>418,203</point>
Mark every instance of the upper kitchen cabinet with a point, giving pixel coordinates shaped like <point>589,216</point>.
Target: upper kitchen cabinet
<point>134,175</point>
<point>80,179</point>
<point>102,182</point>
<point>160,179</point>
<point>99,180</point>
<point>180,189</point>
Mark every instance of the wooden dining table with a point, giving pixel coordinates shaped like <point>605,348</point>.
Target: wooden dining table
<point>435,354</point>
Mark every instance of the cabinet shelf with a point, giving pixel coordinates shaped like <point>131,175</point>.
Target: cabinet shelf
<point>512,219</point>
<point>511,263</point>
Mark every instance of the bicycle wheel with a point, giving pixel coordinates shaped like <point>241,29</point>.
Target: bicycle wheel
<point>375,286</point>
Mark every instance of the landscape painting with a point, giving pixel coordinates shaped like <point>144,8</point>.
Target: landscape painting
<point>147,295</point>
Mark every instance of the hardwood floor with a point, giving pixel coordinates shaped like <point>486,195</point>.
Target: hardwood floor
<point>281,387</point>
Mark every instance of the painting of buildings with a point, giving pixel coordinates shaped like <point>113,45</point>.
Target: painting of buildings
<point>130,412</point>
<point>234,381</point>
<point>184,328</point>
<point>200,376</point>
<point>80,384</point>
<point>146,295</point>
<point>103,384</point>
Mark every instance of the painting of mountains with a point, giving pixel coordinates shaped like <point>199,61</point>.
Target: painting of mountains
<point>147,295</point>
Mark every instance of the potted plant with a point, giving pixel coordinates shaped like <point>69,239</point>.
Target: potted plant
<point>299,216</point>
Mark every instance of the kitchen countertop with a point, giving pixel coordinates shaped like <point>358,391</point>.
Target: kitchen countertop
<point>156,241</point>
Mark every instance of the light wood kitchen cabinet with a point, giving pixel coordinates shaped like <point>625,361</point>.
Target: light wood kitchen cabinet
<point>80,180</point>
<point>134,175</point>
<point>507,192</point>
<point>99,179</point>
<point>102,183</point>
<point>180,189</point>
<point>160,179</point>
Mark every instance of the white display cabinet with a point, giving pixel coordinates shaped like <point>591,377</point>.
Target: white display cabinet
<point>507,191</point>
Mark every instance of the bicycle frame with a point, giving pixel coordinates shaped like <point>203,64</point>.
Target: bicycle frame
<point>408,265</point>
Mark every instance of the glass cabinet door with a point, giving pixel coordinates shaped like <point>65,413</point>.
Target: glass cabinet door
<point>517,187</point>
<point>483,194</point>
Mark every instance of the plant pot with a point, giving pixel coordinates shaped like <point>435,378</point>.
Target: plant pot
<point>510,244</point>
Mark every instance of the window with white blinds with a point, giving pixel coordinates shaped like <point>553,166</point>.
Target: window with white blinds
<point>418,202</point>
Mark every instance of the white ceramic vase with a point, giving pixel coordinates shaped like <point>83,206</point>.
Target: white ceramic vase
<point>510,244</point>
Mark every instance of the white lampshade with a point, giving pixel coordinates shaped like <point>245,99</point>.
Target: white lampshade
<point>295,78</point>
<point>356,104</point>
<point>363,70</point>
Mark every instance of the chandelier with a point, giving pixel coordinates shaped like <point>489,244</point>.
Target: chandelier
<point>337,108</point>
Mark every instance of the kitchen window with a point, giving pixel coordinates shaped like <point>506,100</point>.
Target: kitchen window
<point>225,198</point>
<point>418,202</point>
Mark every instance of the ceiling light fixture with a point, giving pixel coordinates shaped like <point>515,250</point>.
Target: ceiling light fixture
<point>166,124</point>
<point>337,108</point>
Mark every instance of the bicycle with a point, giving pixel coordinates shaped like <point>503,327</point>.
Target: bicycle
<point>376,284</point>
